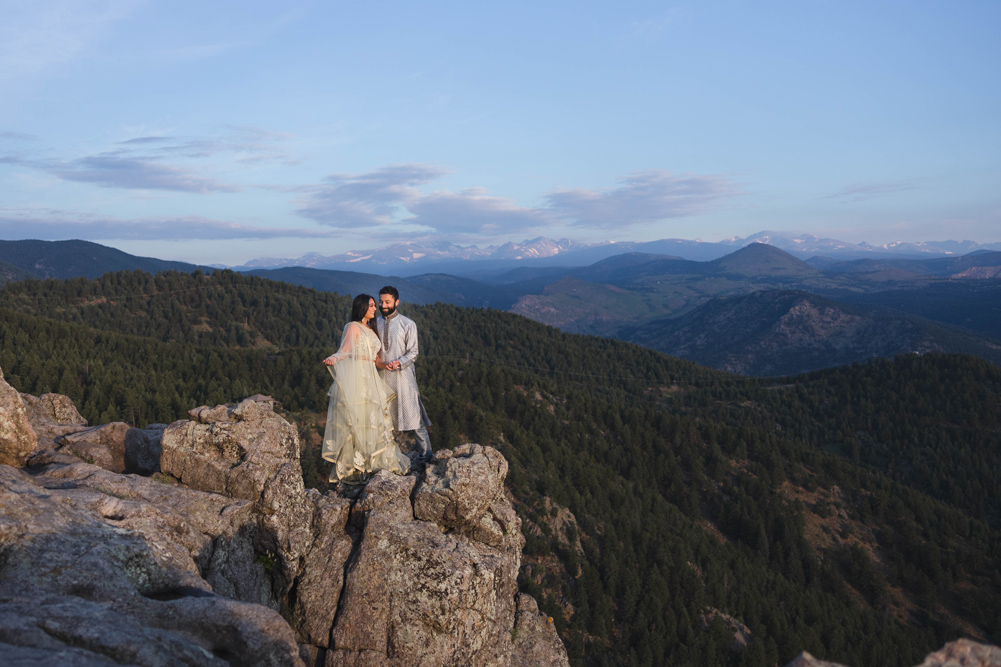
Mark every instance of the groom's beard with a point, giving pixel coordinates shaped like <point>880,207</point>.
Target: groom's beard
<point>386,312</point>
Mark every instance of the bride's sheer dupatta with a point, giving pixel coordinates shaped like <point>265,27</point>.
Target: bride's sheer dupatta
<point>358,438</point>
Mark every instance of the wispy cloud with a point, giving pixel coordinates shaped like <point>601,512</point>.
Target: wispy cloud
<point>143,141</point>
<point>391,198</point>
<point>163,162</point>
<point>51,225</point>
<point>377,198</point>
<point>862,191</point>
<point>240,37</point>
<point>252,143</point>
<point>111,172</point>
<point>473,213</point>
<point>115,172</point>
<point>645,197</point>
<point>17,136</point>
<point>655,27</point>
<point>36,36</point>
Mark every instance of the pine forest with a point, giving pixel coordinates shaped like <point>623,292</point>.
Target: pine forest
<point>673,514</point>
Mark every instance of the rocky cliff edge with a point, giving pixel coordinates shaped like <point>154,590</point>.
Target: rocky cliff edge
<point>197,544</point>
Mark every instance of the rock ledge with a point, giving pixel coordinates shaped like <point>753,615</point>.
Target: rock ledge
<point>221,556</point>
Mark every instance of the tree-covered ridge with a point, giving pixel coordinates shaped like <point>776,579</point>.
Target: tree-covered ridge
<point>230,309</point>
<point>693,490</point>
<point>974,305</point>
<point>140,380</point>
<point>217,309</point>
<point>69,259</point>
<point>930,421</point>
<point>12,272</point>
<point>782,332</point>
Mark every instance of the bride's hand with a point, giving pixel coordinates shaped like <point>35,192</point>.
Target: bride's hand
<point>329,361</point>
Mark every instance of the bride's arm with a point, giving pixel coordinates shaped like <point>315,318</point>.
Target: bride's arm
<point>351,332</point>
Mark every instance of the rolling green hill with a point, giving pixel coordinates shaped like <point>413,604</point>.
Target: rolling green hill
<point>784,332</point>
<point>71,259</point>
<point>853,512</point>
<point>760,259</point>
<point>579,306</point>
<point>10,272</point>
<point>973,305</point>
<point>938,266</point>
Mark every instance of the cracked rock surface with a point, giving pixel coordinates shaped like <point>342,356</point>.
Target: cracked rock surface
<point>225,558</point>
<point>17,436</point>
<point>964,653</point>
<point>960,653</point>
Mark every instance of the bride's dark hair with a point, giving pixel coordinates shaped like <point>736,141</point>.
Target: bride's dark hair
<point>358,309</point>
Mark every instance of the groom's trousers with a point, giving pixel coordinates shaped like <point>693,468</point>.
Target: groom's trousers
<point>423,442</point>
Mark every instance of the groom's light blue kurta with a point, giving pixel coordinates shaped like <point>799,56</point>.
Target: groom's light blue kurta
<point>399,343</point>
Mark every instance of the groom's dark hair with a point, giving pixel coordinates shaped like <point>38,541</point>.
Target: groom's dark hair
<point>389,289</point>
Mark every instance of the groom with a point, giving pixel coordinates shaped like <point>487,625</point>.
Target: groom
<point>399,351</point>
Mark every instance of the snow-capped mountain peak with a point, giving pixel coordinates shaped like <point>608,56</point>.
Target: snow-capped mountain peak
<point>415,256</point>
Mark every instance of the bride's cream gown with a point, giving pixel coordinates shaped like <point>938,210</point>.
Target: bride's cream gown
<point>358,438</point>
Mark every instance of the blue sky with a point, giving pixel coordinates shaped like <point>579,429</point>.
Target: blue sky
<point>223,131</point>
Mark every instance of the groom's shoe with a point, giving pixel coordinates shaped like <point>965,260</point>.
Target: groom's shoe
<point>418,460</point>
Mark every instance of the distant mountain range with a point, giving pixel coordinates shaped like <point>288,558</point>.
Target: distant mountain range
<point>761,311</point>
<point>428,288</point>
<point>757,310</point>
<point>412,258</point>
<point>404,255</point>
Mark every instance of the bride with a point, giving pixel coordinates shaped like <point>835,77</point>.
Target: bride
<point>358,438</point>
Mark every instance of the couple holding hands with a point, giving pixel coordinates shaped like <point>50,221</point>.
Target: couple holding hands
<point>374,392</point>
